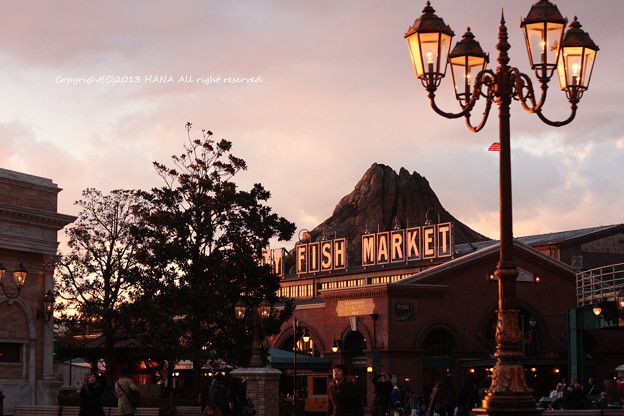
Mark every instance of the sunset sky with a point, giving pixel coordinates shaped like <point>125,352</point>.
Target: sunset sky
<point>329,89</point>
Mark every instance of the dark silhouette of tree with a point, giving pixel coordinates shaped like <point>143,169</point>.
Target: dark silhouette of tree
<point>202,243</point>
<point>98,275</point>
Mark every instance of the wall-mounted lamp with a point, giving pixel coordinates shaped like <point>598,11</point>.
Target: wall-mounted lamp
<point>19,278</point>
<point>619,299</point>
<point>336,346</point>
<point>597,310</point>
<point>48,306</point>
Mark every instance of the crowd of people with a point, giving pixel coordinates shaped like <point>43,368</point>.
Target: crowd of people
<point>578,396</point>
<point>221,396</point>
<point>446,400</point>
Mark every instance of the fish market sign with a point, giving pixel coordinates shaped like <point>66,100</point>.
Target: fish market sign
<point>400,246</point>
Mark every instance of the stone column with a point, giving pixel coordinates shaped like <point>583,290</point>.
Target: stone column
<point>262,388</point>
<point>49,385</point>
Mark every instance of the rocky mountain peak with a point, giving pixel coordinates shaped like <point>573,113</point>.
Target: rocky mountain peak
<point>382,200</point>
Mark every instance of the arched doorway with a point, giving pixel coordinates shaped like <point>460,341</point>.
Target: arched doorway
<point>438,361</point>
<point>354,347</point>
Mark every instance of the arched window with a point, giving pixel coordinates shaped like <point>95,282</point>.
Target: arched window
<point>303,347</point>
<point>439,343</point>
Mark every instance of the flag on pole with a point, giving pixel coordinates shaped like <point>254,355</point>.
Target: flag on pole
<point>494,147</point>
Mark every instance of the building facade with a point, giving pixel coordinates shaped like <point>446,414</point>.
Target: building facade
<point>420,319</point>
<point>29,223</point>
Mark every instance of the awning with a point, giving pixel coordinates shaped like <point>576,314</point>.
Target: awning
<point>286,359</point>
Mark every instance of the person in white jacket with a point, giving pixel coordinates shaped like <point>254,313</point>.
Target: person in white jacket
<point>126,390</point>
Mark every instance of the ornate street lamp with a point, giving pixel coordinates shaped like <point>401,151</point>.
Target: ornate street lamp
<point>263,311</point>
<point>573,55</point>
<point>19,278</point>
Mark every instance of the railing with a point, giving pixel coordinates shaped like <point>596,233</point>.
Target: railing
<point>599,285</point>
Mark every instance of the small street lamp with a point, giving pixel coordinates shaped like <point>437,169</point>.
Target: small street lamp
<point>573,55</point>
<point>305,338</point>
<point>19,278</point>
<point>263,311</point>
<point>48,306</point>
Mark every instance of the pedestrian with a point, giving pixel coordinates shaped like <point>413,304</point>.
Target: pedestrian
<point>91,390</point>
<point>218,403</point>
<point>468,398</point>
<point>442,401</point>
<point>591,388</point>
<point>344,396</point>
<point>575,398</point>
<point>383,391</point>
<point>128,394</point>
<point>613,395</point>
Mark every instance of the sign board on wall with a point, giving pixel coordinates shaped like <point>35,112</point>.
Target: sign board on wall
<point>355,307</point>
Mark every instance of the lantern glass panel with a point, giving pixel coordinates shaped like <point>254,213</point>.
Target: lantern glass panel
<point>543,43</point>
<point>575,67</point>
<point>414,48</point>
<point>20,277</point>
<point>464,70</point>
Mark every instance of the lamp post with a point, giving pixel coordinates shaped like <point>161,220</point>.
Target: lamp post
<point>306,339</point>
<point>572,54</point>
<point>263,310</point>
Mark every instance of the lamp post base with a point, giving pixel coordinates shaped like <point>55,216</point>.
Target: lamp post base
<point>509,404</point>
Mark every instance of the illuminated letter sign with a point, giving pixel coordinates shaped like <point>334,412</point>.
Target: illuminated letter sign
<point>444,240</point>
<point>340,253</point>
<point>417,243</point>
<point>314,257</point>
<point>266,257</point>
<point>275,259</point>
<point>326,255</point>
<point>368,250</point>
<point>383,256</point>
<point>429,241</point>
<point>302,258</point>
<point>412,251</point>
<point>321,256</point>
<point>397,247</point>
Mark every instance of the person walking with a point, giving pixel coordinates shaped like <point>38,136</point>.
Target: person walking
<point>344,396</point>
<point>383,391</point>
<point>442,398</point>
<point>90,396</point>
<point>127,393</point>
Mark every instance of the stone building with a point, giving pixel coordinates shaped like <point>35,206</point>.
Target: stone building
<point>29,223</point>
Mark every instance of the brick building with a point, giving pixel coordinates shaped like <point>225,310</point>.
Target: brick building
<point>29,223</point>
<point>424,317</point>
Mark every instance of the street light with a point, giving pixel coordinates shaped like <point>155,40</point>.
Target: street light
<point>19,278</point>
<point>263,311</point>
<point>48,306</point>
<point>573,56</point>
